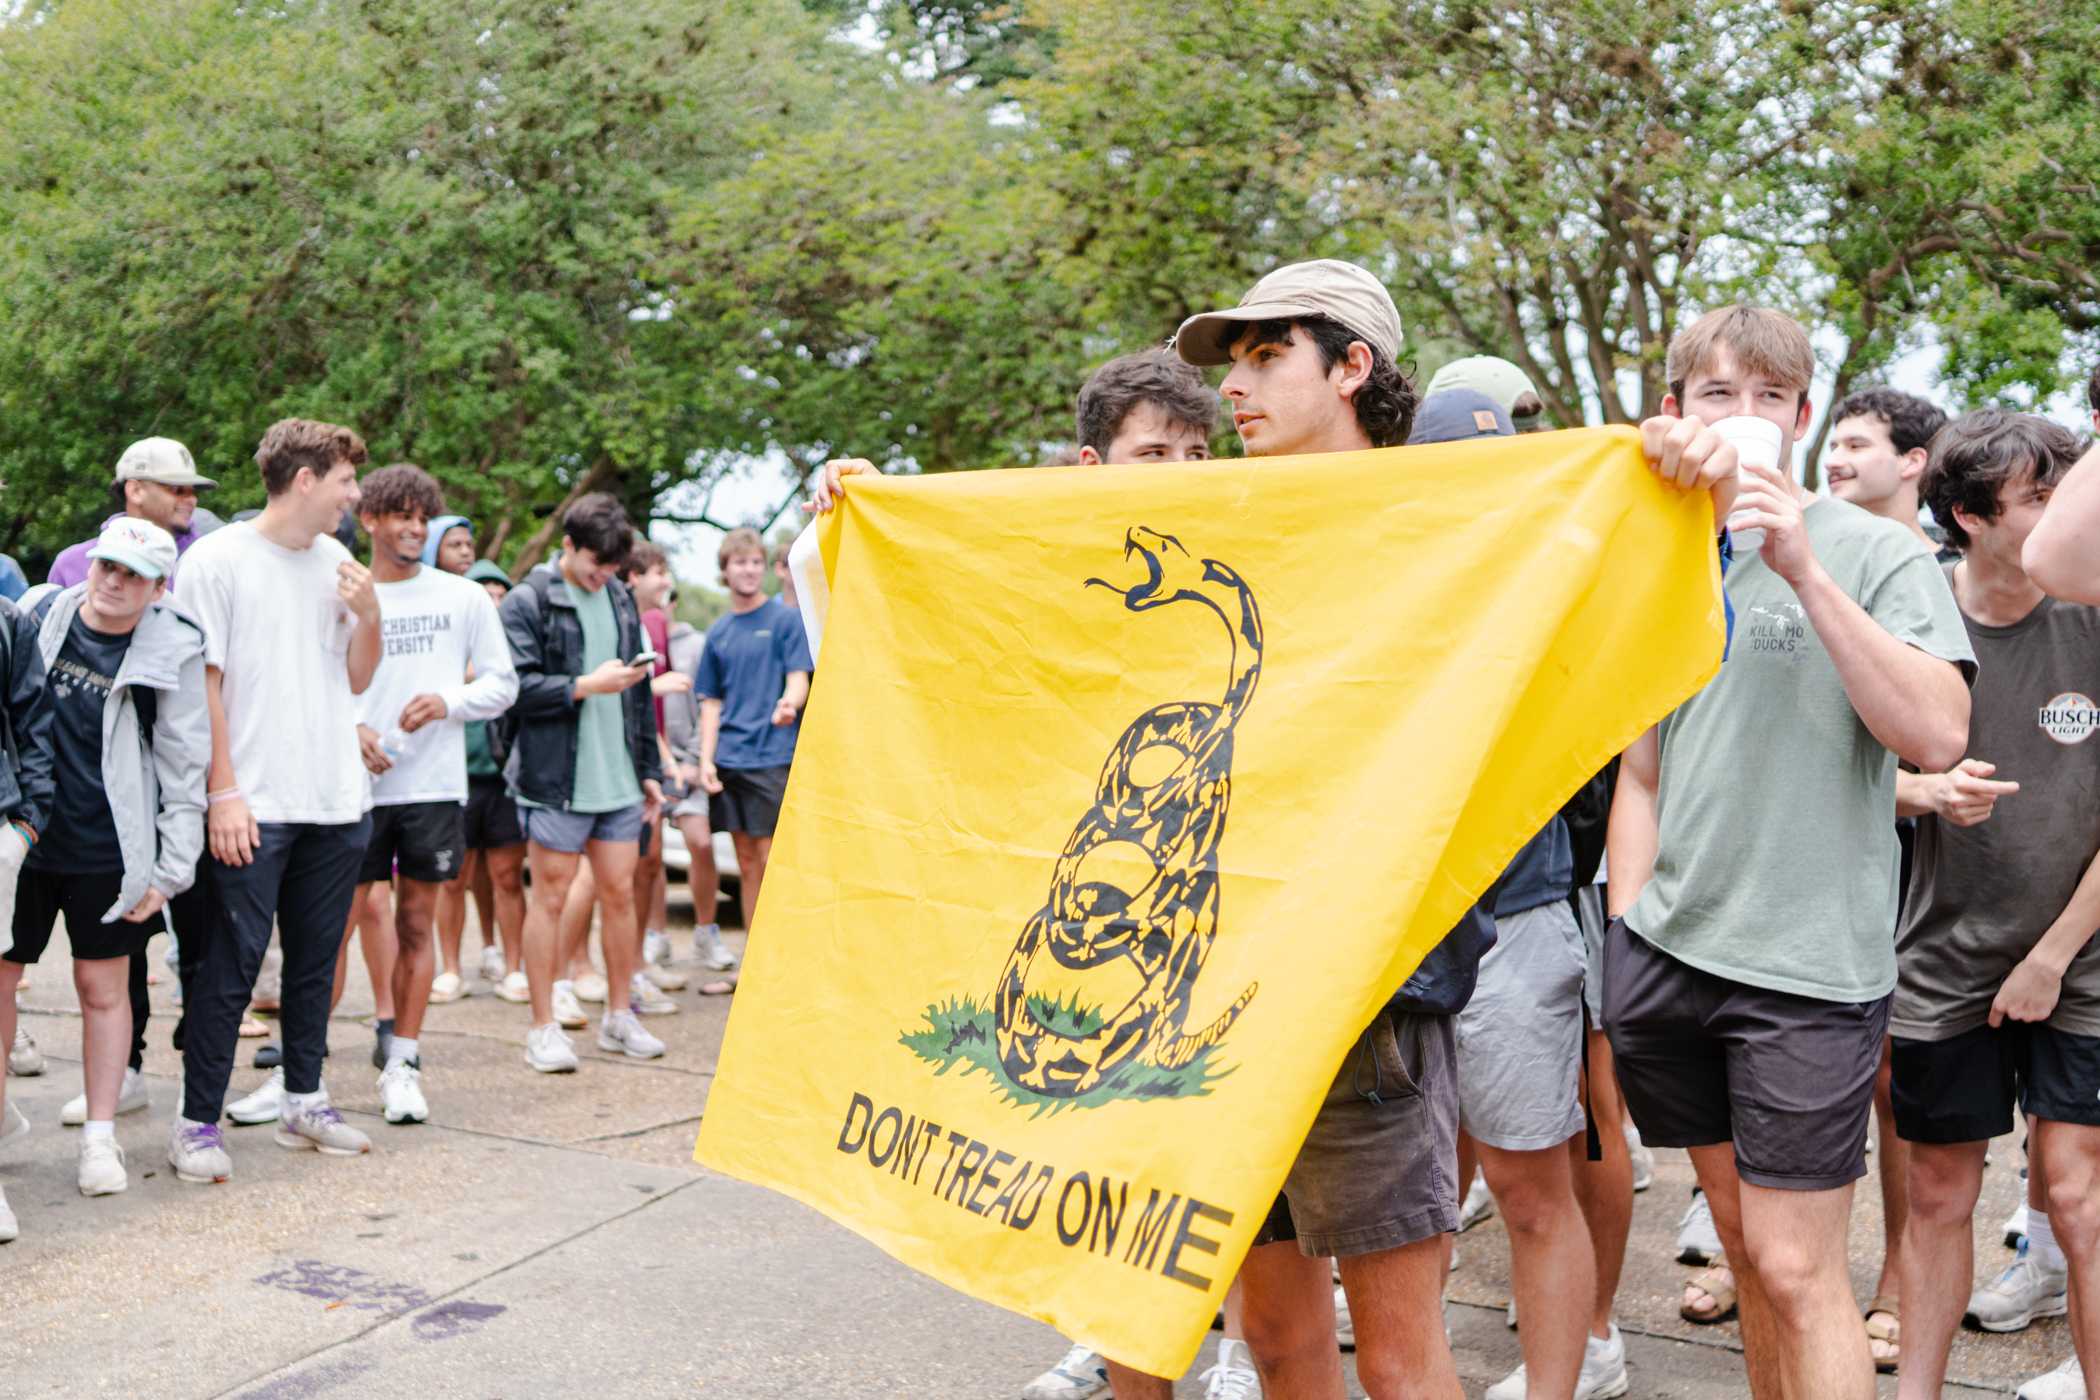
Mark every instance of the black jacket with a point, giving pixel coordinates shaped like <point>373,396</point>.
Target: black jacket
<point>26,776</point>
<point>547,648</point>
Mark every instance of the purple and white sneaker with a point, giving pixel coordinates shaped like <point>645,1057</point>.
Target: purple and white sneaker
<point>197,1152</point>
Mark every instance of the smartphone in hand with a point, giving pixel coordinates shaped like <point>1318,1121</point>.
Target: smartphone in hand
<point>645,657</point>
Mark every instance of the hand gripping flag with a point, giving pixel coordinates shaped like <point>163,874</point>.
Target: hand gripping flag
<point>1127,796</point>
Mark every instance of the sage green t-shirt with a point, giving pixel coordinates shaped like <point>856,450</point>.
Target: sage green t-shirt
<point>1777,860</point>
<point>605,779</point>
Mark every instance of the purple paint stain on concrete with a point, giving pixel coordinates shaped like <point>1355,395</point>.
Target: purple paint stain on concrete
<point>343,1286</point>
<point>453,1318</point>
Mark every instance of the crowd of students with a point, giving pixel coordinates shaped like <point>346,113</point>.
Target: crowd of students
<point>246,737</point>
<point>1857,868</point>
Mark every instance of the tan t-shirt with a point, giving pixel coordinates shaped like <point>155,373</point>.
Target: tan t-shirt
<point>1982,896</point>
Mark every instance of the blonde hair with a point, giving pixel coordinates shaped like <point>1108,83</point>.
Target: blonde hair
<point>1764,342</point>
<point>742,540</point>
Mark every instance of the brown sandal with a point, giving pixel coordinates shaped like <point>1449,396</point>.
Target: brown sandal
<point>1888,1334</point>
<point>1718,1284</point>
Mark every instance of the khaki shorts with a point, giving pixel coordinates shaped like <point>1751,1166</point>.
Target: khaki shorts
<point>1380,1167</point>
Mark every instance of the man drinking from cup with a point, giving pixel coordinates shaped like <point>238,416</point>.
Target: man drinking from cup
<point>1752,853</point>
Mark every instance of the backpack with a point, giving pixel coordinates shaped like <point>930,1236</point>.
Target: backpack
<point>502,731</point>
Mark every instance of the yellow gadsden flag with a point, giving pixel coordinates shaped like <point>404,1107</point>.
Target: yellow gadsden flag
<point>1128,795</point>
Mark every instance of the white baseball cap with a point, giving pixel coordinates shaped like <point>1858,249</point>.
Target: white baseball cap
<point>139,545</point>
<point>161,460</point>
<point>1340,291</point>
<point>1492,375</point>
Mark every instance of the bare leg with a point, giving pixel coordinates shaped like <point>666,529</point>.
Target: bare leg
<point>702,879</point>
<point>104,988</point>
<point>375,938</point>
<point>1604,1189</point>
<point>503,870</point>
<point>648,904</point>
<point>1894,1159</point>
<point>576,921</point>
<point>1468,1163</point>
<point>1288,1307</point>
<point>552,872</point>
<point>1396,1297</point>
<point>452,914</point>
<point>1126,1384</point>
<point>1551,1266</point>
<point>10,979</point>
<point>619,940</point>
<point>1235,1313</point>
<point>416,908</point>
<point>2070,1153</point>
<point>751,855</point>
<point>1938,1259</point>
<point>1803,1338</point>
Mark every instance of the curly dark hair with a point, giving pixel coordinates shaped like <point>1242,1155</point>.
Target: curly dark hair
<point>1151,376</point>
<point>1911,421</point>
<point>1974,456</point>
<point>400,489</point>
<point>1385,405</point>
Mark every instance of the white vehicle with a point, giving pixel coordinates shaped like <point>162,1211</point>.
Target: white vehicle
<point>678,862</point>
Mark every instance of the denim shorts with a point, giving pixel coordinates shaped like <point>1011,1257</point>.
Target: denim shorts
<point>570,832</point>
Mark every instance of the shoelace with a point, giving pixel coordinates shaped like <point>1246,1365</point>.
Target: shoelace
<point>1230,1383</point>
<point>324,1117</point>
<point>202,1136</point>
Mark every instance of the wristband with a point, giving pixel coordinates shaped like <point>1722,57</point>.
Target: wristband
<point>28,831</point>
<point>213,799</point>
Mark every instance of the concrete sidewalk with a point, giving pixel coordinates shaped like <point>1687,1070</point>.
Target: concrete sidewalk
<point>551,1235</point>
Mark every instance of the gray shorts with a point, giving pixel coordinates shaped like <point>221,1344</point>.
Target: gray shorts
<point>1589,912</point>
<point>570,832</point>
<point>1520,1037</point>
<point>1380,1167</point>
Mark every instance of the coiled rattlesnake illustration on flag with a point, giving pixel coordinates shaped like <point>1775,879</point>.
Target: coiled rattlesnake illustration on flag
<point>1166,924</point>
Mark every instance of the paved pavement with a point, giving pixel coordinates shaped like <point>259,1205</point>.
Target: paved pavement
<point>550,1235</point>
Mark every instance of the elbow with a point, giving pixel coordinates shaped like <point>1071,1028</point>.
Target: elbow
<point>1945,743</point>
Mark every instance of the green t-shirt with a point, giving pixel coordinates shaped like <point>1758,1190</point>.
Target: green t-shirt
<point>1777,859</point>
<point>605,779</point>
<point>481,761</point>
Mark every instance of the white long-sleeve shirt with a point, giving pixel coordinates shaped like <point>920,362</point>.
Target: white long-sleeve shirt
<point>435,626</point>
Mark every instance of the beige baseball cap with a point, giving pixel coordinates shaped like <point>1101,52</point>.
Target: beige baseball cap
<point>1484,374</point>
<point>139,545</point>
<point>1340,291</point>
<point>161,460</point>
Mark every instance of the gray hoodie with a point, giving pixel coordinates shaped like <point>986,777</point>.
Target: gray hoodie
<point>156,792</point>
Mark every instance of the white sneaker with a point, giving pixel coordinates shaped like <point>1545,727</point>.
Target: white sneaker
<point>668,979</point>
<point>2014,1299</point>
<point>130,1099</point>
<point>446,987</point>
<point>102,1167</point>
<point>10,1228</point>
<point>491,964</point>
<point>1603,1374</point>
<point>656,947</point>
<point>568,1011</point>
<point>1082,1375</point>
<point>709,948</point>
<point>197,1152</point>
<point>1697,1240</point>
<point>2015,1231</point>
<point>622,1031</point>
<point>1234,1376</point>
<point>13,1123</point>
<point>265,1105</point>
<point>321,1128</point>
<point>590,987</point>
<point>516,990</point>
<point>1643,1158</point>
<point>1479,1203</point>
<point>401,1093</point>
<point>647,1000</point>
<point>549,1051</point>
<point>2066,1382</point>
<point>1344,1325</point>
<point>24,1060</point>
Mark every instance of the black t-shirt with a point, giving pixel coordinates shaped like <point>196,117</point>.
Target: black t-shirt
<point>82,835</point>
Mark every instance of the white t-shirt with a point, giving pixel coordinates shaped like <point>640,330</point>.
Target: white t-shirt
<point>275,627</point>
<point>435,625</point>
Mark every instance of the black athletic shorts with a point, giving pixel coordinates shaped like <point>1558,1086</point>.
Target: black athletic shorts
<point>1966,1088</point>
<point>45,895</point>
<point>749,802</point>
<point>1704,1060</point>
<point>492,816</point>
<point>419,840</point>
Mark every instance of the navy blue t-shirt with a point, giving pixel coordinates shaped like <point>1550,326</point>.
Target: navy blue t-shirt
<point>82,835</point>
<point>744,663</point>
